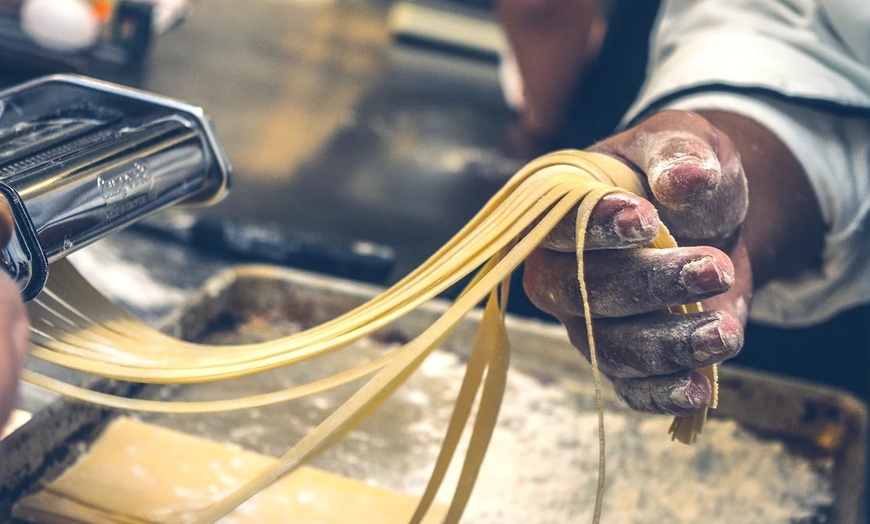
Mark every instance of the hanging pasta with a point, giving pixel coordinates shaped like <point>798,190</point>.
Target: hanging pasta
<point>74,326</point>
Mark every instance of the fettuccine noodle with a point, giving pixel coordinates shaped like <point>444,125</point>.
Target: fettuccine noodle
<point>74,326</point>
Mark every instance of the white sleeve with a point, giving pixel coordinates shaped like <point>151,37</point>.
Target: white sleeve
<point>804,50</point>
<point>800,68</point>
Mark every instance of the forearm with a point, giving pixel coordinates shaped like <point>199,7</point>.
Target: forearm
<point>550,40</point>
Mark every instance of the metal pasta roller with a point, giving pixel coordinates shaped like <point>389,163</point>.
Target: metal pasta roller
<point>80,159</point>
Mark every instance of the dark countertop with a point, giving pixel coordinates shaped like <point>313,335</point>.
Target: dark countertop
<point>333,128</point>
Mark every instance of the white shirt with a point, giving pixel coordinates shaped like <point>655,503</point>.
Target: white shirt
<point>802,69</point>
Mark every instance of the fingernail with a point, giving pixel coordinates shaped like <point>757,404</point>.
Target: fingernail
<point>683,180</point>
<point>701,276</point>
<point>689,395</point>
<point>632,226</point>
<point>708,341</point>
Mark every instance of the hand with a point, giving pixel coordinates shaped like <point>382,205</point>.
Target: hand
<point>13,328</point>
<point>698,188</point>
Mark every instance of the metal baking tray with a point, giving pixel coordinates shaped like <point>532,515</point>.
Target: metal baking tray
<point>777,449</point>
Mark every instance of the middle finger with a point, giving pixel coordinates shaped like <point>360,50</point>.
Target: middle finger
<point>626,282</point>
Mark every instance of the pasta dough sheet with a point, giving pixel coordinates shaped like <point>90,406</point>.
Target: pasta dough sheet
<point>18,418</point>
<point>138,472</point>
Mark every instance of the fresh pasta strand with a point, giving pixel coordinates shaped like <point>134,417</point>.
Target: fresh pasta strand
<point>584,212</point>
<point>198,363</point>
<point>367,398</point>
<point>74,326</point>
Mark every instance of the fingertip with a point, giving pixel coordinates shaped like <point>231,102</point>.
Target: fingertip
<point>711,272</point>
<point>622,220</point>
<point>637,224</point>
<point>682,167</point>
<point>619,220</point>
<point>717,340</point>
<point>691,394</point>
<point>683,394</point>
<point>686,181</point>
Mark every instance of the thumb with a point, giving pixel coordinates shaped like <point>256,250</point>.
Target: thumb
<point>693,172</point>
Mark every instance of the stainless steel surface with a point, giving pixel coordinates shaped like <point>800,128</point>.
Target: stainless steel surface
<point>141,170</point>
<point>80,159</point>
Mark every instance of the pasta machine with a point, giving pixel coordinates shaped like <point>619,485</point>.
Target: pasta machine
<point>81,158</point>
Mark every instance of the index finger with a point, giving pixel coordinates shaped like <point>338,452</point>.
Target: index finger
<point>619,220</point>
